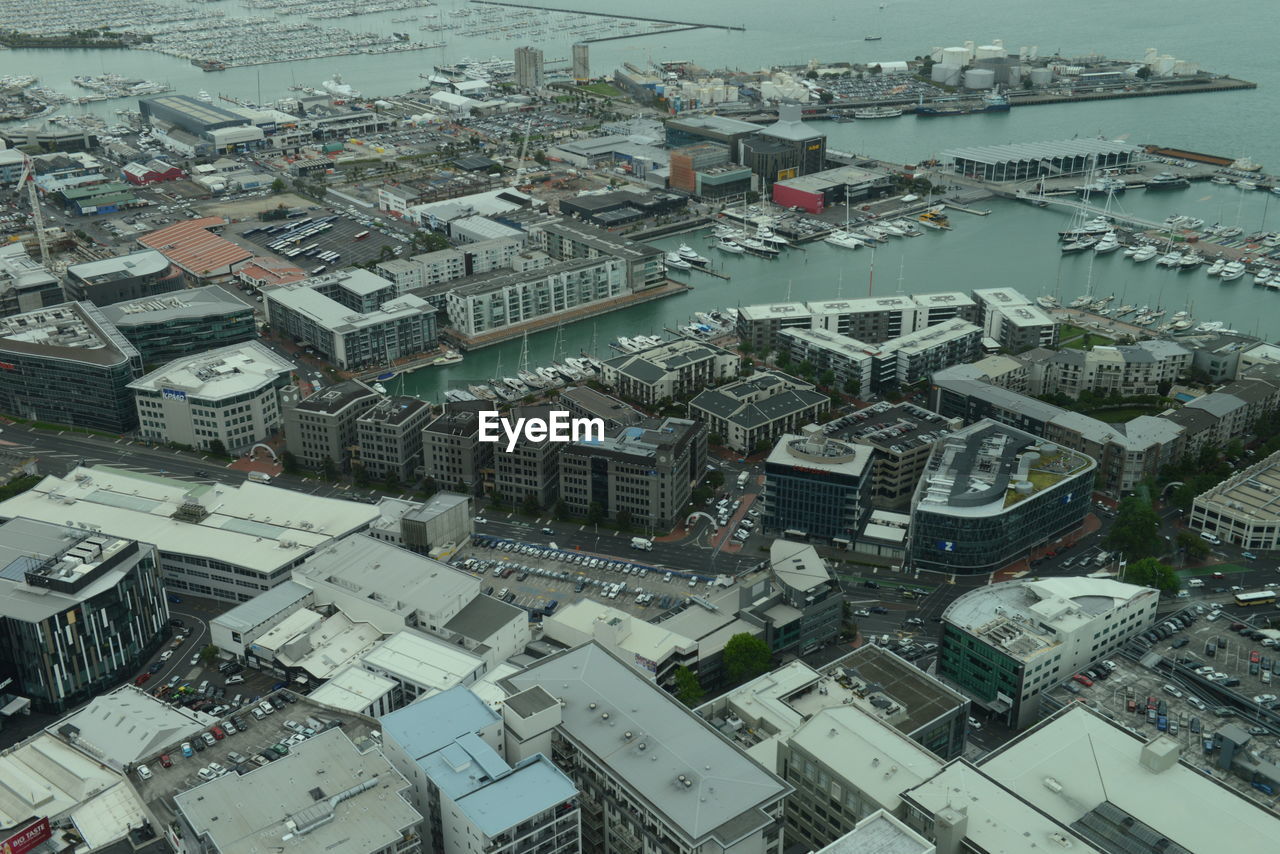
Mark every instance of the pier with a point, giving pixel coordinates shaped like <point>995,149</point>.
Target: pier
<point>689,25</point>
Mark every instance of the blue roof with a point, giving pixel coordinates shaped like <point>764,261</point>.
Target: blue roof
<point>436,722</point>
<point>534,786</point>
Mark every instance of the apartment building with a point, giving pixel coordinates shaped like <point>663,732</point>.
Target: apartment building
<point>755,411</point>
<point>1014,321</point>
<point>498,300</point>
<point>868,319</point>
<point>389,437</point>
<point>450,265</point>
<point>564,239</point>
<point>1126,370</point>
<point>530,468</point>
<point>452,452</point>
<point>669,371</point>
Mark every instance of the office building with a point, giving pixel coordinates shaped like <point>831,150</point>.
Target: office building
<point>581,62</point>
<point>320,429</point>
<point>183,324</point>
<point>529,468</point>
<point>389,438</point>
<point>1004,643</point>
<point>688,161</point>
<point>529,70</point>
<point>452,453</point>
<point>653,649</point>
<point>1243,510</point>
<point>991,493</point>
<point>1127,370</point>
<point>620,207</point>
<point>902,436</point>
<point>816,488</point>
<point>496,301</point>
<point>25,285</point>
<point>585,402</point>
<point>749,414</point>
<point>194,247</point>
<point>821,190</point>
<point>701,794</point>
<point>68,365</point>
<point>135,276</point>
<point>236,630</point>
<point>227,398</point>
<point>869,319</point>
<point>419,666</point>
<point>785,149</point>
<point>352,318</point>
<point>691,130</point>
<point>801,606</point>
<point>668,371</point>
<point>564,240</point>
<point>326,794</point>
<point>450,747</point>
<point>645,472</point>
<point>214,540</point>
<point>443,519</point>
<point>79,611</point>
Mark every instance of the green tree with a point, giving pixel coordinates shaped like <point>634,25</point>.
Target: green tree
<point>460,486</point>
<point>1136,531</point>
<point>623,520</point>
<point>1150,572</point>
<point>391,483</point>
<point>1144,73</point>
<point>209,654</point>
<point>560,510</point>
<point>746,657</point>
<point>359,474</point>
<point>1193,545</point>
<point>852,386</point>
<point>825,97</point>
<point>595,513</point>
<point>217,448</point>
<point>329,470</point>
<point>430,486</point>
<point>530,506</point>
<point>827,378</point>
<point>715,479</point>
<point>278,186</point>
<point>688,690</point>
<point>290,463</point>
<point>715,439</point>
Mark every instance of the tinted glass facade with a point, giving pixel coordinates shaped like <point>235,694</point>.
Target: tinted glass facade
<point>821,504</point>
<point>74,393</point>
<point>979,669</point>
<point>163,342</point>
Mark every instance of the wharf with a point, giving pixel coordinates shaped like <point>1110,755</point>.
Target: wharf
<point>465,343</point>
<point>539,8</point>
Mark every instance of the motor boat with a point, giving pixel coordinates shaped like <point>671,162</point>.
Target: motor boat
<point>1145,253</point>
<point>843,239</point>
<point>1216,267</point>
<point>1232,271</point>
<point>1109,243</point>
<point>725,244</point>
<point>675,262</point>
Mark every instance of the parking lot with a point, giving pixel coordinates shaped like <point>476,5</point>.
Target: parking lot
<point>533,576</point>
<point>1194,692</point>
<point>339,237</point>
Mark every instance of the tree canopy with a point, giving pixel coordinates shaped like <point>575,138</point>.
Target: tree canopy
<point>1136,531</point>
<point>1150,572</point>
<point>688,689</point>
<point>746,657</point>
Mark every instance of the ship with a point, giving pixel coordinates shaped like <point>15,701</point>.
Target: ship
<point>992,103</point>
<point>1168,181</point>
<point>877,113</point>
<point>209,64</point>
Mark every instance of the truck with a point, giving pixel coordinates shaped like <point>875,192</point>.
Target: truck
<point>259,477</point>
<point>641,543</point>
<point>743,478</point>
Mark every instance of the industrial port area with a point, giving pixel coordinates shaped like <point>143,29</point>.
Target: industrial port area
<point>652,430</point>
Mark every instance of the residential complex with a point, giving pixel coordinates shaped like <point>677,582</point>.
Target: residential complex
<point>79,611</point>
<point>650,773</point>
<point>530,469</point>
<point>1004,643</point>
<point>1130,370</point>
<point>1013,321</point>
<point>138,275</point>
<point>646,472</point>
<point>564,240</point>
<point>228,398</point>
<point>669,371</point>
<point>68,365</point>
<point>991,493</point>
<point>389,438</point>
<point>214,540</point>
<point>494,301</point>
<point>869,319</point>
<point>320,429</point>
<point>352,318</point>
<point>182,324</point>
<point>816,488</point>
<point>451,748</point>
<point>432,269</point>
<point>752,412</point>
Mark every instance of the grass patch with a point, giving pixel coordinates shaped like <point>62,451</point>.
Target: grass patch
<point>1087,341</point>
<point>606,89</point>
<point>1124,413</point>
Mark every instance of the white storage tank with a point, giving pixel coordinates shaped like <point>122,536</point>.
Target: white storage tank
<point>990,51</point>
<point>945,75</point>
<point>1041,77</point>
<point>955,57</point>
<point>979,78</point>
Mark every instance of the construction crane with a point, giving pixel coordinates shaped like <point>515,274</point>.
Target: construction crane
<point>524,147</point>
<point>37,216</point>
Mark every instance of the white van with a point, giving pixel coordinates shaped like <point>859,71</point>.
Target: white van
<point>1210,538</point>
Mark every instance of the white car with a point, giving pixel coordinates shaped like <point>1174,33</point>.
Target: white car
<point>144,773</point>
<point>1197,702</point>
<point>206,774</point>
<point>217,769</point>
<point>480,520</point>
<point>195,659</point>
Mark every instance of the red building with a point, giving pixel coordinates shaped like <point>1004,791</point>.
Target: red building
<point>152,172</point>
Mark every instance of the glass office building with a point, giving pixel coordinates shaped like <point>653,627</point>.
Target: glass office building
<point>816,488</point>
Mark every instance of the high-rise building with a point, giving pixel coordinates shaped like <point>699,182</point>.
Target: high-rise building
<point>529,72</point>
<point>389,436</point>
<point>581,62</point>
<point>452,453</point>
<point>183,324</point>
<point>79,611</point>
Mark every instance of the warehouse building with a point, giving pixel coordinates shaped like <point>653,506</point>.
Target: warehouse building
<point>201,127</point>
<point>197,250</point>
<point>184,323</point>
<point>830,187</point>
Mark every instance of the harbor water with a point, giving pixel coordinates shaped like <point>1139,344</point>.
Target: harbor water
<point>1015,247</point>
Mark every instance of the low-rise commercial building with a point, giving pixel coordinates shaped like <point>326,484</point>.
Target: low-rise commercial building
<point>326,793</point>
<point>646,472</point>
<point>68,365</point>
<point>183,324</point>
<point>669,371</point>
<point>320,429</point>
<point>802,606</point>
<point>194,247</point>
<point>25,285</point>
<point>991,493</point>
<point>621,207</point>
<point>228,397</point>
<point>214,540</point>
<point>79,611</point>
<point>135,276</point>
<point>816,192</point>
<point>421,527</point>
<point>451,747</point>
<point>389,436</point>
<point>816,488</point>
<point>352,318</point>
<point>1004,643</point>
<point>753,412</point>
<point>236,630</point>
<point>701,794</point>
<point>1244,509</point>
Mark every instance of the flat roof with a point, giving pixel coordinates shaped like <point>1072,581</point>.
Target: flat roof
<point>880,833</point>
<point>209,301</point>
<point>820,453</point>
<point>1096,761</point>
<point>423,660</point>
<point>798,567</point>
<point>192,246</point>
<point>45,776</point>
<point>259,527</point>
<point>1251,496</point>
<point>248,615</point>
<point>353,689</point>
<point>718,124</point>
<point>328,313</point>
<point>59,551</point>
<point>227,372</point>
<point>324,795</point>
<point>651,641</point>
<point>129,726</point>
<point>699,782</point>
<point>422,728</point>
<point>71,331</point>
<point>827,178</point>
<point>146,263</point>
<point>599,239</point>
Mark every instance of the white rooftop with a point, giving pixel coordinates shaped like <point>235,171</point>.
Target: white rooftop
<point>259,527</point>
<point>585,619</point>
<point>423,661</point>
<point>219,374</point>
<point>353,689</point>
<point>129,726</point>
<point>46,776</point>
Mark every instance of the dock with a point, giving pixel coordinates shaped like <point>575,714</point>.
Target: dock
<point>691,25</point>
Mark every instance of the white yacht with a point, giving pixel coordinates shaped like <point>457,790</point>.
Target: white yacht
<point>1216,267</point>
<point>843,239</point>
<point>725,244</point>
<point>1145,253</point>
<point>675,262</point>
<point>1109,243</point>
<point>1232,271</point>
